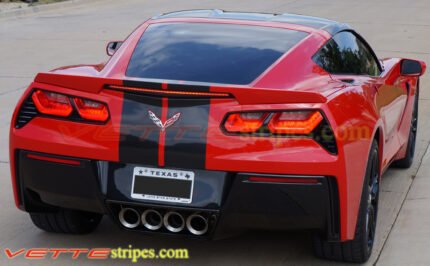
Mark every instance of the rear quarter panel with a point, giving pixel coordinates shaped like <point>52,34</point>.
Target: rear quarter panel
<point>355,121</point>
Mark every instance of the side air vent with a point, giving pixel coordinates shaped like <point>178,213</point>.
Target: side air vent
<point>325,136</point>
<point>27,112</point>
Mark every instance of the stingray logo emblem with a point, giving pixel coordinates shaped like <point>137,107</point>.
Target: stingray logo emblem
<point>166,124</point>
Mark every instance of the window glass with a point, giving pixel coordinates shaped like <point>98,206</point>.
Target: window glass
<point>346,54</point>
<point>205,52</point>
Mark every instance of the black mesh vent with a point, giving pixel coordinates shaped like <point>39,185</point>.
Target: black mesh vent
<point>324,135</point>
<point>27,112</point>
<point>333,229</point>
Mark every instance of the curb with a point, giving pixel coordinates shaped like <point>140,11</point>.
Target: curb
<point>41,8</point>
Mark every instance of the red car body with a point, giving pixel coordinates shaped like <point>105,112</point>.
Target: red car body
<point>358,108</point>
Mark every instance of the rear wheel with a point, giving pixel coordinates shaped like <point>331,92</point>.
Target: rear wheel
<point>360,248</point>
<point>67,221</point>
<point>410,152</point>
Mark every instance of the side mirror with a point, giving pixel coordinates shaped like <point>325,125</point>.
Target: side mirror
<point>112,47</point>
<point>411,67</point>
<point>381,63</point>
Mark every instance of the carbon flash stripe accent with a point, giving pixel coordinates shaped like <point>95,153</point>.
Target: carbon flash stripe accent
<point>185,141</point>
<point>139,135</point>
<point>141,84</point>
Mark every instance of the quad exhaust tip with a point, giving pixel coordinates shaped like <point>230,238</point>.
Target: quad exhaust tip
<point>152,219</point>
<point>174,222</point>
<point>197,224</point>
<point>129,218</point>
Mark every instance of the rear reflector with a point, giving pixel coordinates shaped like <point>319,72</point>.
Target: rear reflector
<point>291,180</point>
<point>91,110</point>
<point>51,103</point>
<point>53,159</point>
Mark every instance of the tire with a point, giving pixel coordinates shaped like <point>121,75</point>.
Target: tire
<point>359,249</point>
<point>66,221</point>
<point>410,151</point>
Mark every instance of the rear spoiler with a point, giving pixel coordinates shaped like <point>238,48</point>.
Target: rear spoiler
<point>81,83</point>
<point>243,94</point>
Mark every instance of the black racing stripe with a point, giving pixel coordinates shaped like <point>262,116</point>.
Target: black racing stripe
<point>185,142</point>
<point>142,84</point>
<point>139,135</point>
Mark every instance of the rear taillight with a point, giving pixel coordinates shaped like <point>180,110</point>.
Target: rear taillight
<point>300,123</point>
<point>245,122</point>
<point>57,104</point>
<point>92,110</point>
<point>51,103</point>
<point>287,122</point>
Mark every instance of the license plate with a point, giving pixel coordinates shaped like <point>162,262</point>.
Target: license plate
<point>166,185</point>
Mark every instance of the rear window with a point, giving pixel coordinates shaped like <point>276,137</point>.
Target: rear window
<point>214,53</point>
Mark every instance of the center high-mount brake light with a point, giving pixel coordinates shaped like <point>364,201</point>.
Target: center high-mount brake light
<point>171,92</point>
<point>51,103</point>
<point>92,110</point>
<point>280,122</point>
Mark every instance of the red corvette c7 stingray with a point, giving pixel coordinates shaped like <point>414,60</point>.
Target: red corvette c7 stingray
<point>204,123</point>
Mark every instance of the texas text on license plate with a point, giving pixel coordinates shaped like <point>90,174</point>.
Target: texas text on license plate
<point>162,185</point>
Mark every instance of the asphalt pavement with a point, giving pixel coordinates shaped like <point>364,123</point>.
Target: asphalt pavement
<point>77,34</point>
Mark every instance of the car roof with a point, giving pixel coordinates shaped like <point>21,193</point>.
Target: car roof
<point>317,23</point>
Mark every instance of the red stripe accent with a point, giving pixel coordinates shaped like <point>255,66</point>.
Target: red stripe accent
<point>162,138</point>
<point>54,160</point>
<point>283,180</point>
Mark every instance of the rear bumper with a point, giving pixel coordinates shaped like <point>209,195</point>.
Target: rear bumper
<point>230,199</point>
